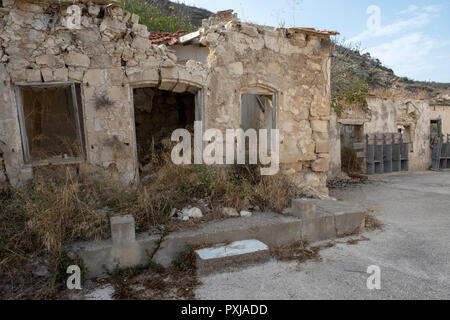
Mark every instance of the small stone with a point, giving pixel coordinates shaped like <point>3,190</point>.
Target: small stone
<point>230,212</point>
<point>193,212</point>
<point>245,214</point>
<point>102,212</point>
<point>94,11</point>
<point>42,271</point>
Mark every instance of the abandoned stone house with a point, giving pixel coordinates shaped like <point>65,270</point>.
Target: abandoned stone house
<point>382,121</point>
<point>101,92</point>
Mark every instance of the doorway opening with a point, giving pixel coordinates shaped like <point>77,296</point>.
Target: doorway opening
<point>351,134</point>
<point>157,113</point>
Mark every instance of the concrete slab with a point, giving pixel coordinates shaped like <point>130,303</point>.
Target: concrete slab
<point>304,209</point>
<point>349,217</point>
<point>333,218</point>
<point>269,228</point>
<point>321,228</point>
<point>236,254</point>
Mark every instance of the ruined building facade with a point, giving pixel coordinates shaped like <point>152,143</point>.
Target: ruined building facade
<point>101,93</point>
<point>381,117</point>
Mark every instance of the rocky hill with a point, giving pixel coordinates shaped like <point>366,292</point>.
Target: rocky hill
<point>370,70</point>
<point>194,14</point>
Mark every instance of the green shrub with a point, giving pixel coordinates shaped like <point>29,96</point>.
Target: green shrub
<point>155,19</point>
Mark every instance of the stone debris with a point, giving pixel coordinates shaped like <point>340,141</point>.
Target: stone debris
<point>245,214</point>
<point>230,212</point>
<point>193,212</point>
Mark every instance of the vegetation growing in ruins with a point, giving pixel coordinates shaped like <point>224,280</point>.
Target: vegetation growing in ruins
<point>152,15</point>
<point>2,161</point>
<point>348,87</point>
<point>65,204</point>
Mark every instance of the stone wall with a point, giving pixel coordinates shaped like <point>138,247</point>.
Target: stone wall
<point>289,63</point>
<point>109,54</point>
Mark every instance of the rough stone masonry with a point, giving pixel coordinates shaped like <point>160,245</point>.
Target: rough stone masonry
<point>110,54</point>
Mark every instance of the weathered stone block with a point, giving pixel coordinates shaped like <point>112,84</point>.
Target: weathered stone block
<point>321,165</point>
<point>61,74</point>
<point>93,76</point>
<point>323,146</point>
<point>77,59</point>
<point>305,209</point>
<point>236,254</point>
<point>319,125</point>
<point>47,74</point>
<point>249,30</point>
<point>47,60</point>
<point>123,230</point>
<point>33,75</point>
<point>321,228</point>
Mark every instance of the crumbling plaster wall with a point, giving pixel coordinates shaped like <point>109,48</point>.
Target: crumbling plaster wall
<point>108,54</point>
<point>291,64</point>
<point>441,112</point>
<point>388,113</point>
<point>382,115</point>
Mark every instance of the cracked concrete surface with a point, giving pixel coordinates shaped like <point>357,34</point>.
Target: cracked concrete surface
<point>412,251</point>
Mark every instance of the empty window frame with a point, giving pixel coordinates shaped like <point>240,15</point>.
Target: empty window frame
<point>406,131</point>
<point>49,117</point>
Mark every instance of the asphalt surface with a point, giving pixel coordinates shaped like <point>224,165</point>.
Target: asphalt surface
<point>412,251</point>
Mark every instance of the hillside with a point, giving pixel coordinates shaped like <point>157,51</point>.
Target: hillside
<point>194,14</point>
<point>377,76</point>
<point>369,69</point>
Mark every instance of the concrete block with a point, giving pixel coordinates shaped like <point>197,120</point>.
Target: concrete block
<point>321,228</point>
<point>235,254</point>
<point>123,230</point>
<point>349,223</point>
<point>270,228</point>
<point>305,209</point>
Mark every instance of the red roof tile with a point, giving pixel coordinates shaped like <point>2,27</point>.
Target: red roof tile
<point>167,38</point>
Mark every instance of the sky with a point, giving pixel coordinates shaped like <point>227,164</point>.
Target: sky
<point>411,37</point>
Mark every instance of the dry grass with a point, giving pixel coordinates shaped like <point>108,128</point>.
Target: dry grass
<point>350,162</point>
<point>158,283</point>
<point>66,204</point>
<point>300,252</point>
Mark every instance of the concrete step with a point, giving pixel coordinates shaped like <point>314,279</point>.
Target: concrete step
<point>225,257</point>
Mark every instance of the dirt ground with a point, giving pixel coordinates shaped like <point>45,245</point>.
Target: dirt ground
<point>412,250</point>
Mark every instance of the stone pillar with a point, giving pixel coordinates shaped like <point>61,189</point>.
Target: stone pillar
<point>125,251</point>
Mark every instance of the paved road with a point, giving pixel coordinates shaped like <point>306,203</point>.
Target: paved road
<point>413,251</point>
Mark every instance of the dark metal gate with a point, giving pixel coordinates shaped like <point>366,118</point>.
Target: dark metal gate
<point>443,160</point>
<point>386,153</point>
